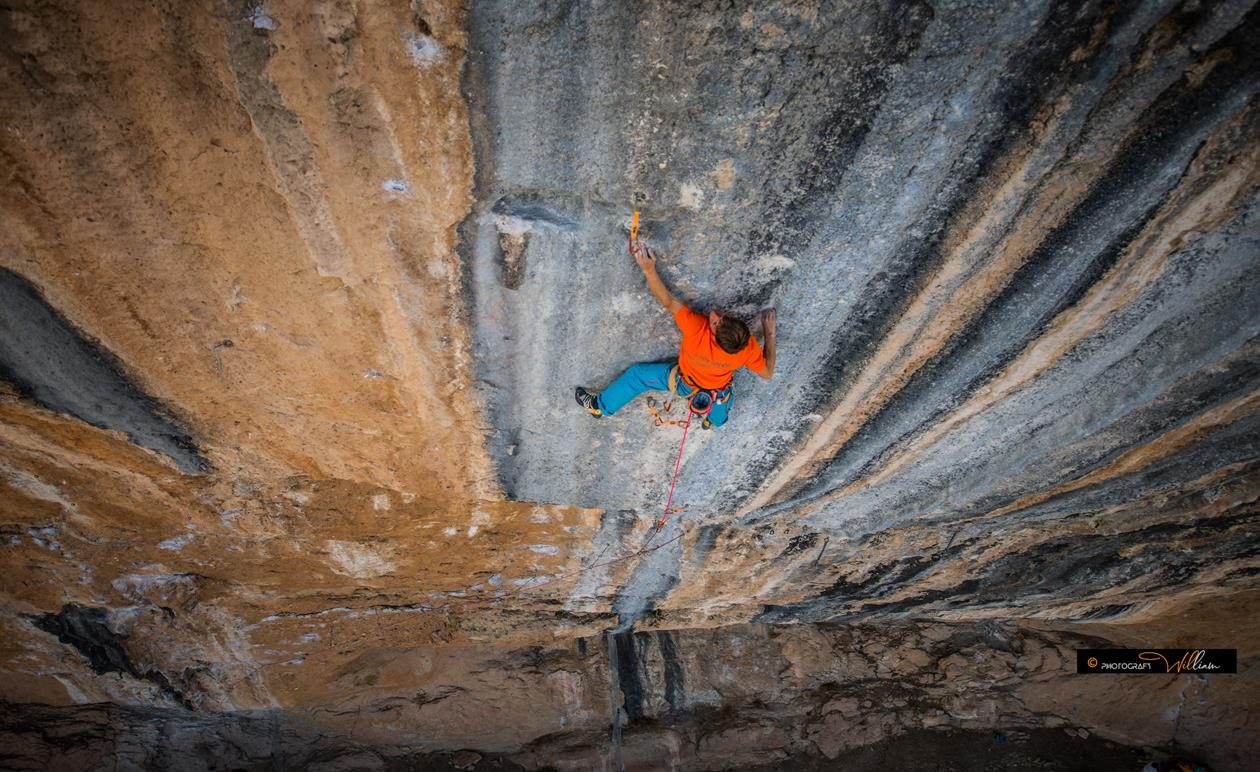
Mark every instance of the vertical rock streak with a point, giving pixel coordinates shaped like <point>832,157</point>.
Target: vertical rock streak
<point>1011,249</point>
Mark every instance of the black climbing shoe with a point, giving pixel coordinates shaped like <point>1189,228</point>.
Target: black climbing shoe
<point>589,401</point>
<point>706,424</point>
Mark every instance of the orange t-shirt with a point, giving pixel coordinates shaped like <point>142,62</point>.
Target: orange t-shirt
<point>703,361</point>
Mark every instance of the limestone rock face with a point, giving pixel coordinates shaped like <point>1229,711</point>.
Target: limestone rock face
<point>1012,250</point>
<point>294,296</point>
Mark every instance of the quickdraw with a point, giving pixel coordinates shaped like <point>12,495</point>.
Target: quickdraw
<point>666,407</point>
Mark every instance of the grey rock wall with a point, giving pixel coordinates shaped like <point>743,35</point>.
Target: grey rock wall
<point>1012,245</point>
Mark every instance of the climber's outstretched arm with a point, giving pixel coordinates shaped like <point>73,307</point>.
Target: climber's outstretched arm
<point>646,259</point>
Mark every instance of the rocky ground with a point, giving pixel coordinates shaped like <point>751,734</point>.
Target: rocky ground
<point>841,696</point>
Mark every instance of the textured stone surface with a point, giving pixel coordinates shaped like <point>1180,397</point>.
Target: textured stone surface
<point>786,697</point>
<point>49,362</point>
<point>254,222</point>
<point>347,261</point>
<point>1012,247</point>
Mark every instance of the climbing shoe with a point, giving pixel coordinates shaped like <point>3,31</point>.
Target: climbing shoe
<point>589,401</point>
<point>706,424</point>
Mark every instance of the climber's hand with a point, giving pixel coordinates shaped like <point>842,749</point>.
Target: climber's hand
<point>768,322</point>
<point>644,256</point>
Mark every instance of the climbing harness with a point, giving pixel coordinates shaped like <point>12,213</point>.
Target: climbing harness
<point>698,403</point>
<point>719,396</point>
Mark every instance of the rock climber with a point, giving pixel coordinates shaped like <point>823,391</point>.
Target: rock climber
<point>712,349</point>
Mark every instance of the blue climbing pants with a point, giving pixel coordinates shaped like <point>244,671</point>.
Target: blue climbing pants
<point>654,376</point>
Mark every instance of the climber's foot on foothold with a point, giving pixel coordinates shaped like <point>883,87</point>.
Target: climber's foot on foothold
<point>588,401</point>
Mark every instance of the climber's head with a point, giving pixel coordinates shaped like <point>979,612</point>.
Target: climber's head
<point>731,333</point>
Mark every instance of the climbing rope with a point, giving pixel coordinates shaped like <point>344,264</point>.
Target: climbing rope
<point>699,403</point>
<point>695,407</point>
<point>660,523</point>
<point>661,420</point>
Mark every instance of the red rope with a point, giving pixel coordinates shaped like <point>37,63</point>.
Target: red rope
<point>674,482</point>
<point>647,545</point>
<point>645,549</point>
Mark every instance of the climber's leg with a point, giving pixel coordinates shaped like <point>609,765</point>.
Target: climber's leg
<point>644,376</point>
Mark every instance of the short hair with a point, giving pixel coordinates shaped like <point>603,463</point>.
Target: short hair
<point>732,335</point>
